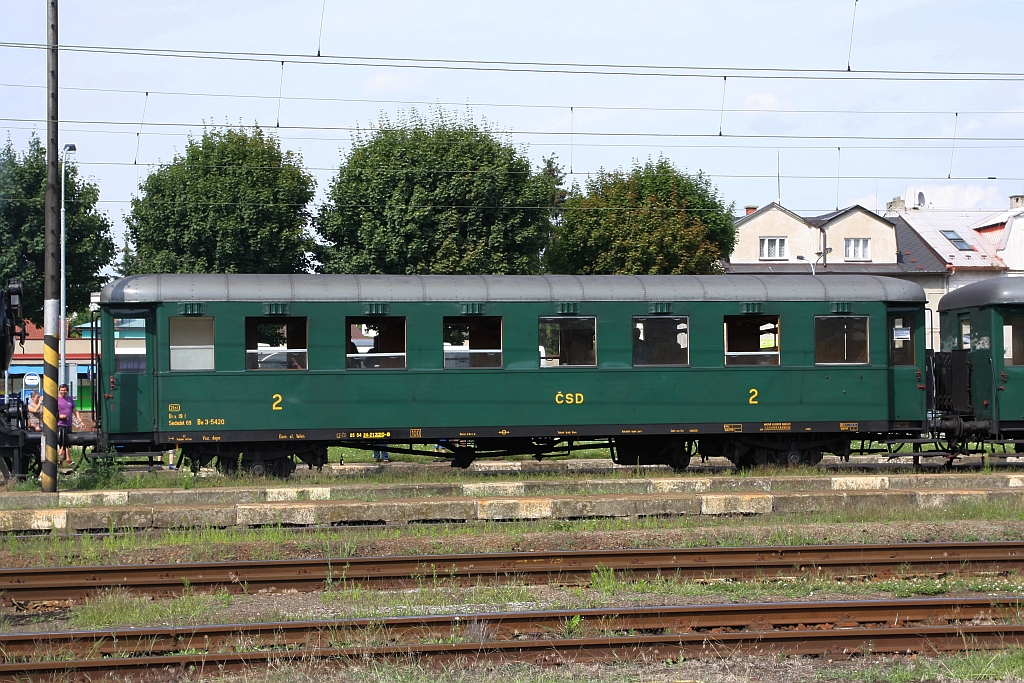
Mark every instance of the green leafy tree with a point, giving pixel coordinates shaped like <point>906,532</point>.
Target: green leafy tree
<point>89,246</point>
<point>441,196</point>
<point>652,220</point>
<point>232,203</point>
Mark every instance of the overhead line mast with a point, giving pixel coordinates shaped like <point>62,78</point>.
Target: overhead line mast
<point>51,269</point>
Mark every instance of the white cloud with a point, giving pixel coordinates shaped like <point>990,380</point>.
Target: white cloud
<point>765,101</point>
<point>958,196</point>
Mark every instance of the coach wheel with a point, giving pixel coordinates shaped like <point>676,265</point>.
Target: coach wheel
<point>463,457</point>
<point>680,455</point>
<point>258,469</point>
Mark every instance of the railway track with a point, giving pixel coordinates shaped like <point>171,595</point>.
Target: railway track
<point>20,586</point>
<point>837,629</point>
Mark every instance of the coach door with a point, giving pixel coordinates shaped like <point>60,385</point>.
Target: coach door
<point>906,377</point>
<point>129,365</point>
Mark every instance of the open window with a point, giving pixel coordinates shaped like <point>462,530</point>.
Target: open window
<point>567,341</point>
<point>751,340</point>
<point>472,342</point>
<point>130,345</point>
<point>903,337</point>
<point>841,340</point>
<point>275,344</point>
<point>191,341</point>
<point>375,342</point>
<point>965,333</point>
<point>661,340</point>
<point>1013,340</point>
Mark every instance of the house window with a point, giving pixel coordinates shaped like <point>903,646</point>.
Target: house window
<point>1013,341</point>
<point>841,339</point>
<point>191,341</point>
<point>567,341</point>
<point>858,249</point>
<point>661,340</point>
<point>958,241</point>
<point>375,342</point>
<point>472,342</point>
<point>772,248</point>
<point>751,340</point>
<point>275,344</point>
<point>902,340</point>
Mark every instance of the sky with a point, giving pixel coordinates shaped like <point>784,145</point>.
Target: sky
<point>766,97</point>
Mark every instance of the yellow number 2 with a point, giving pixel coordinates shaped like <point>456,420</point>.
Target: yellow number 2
<point>278,399</point>
<point>752,401</point>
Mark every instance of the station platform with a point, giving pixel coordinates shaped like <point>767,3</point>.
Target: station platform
<point>384,504</point>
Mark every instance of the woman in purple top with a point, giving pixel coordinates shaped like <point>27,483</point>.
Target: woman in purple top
<point>65,414</point>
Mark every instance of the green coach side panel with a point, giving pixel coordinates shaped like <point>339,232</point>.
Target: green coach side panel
<point>522,398</point>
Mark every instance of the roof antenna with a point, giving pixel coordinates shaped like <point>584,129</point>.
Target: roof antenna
<point>778,177</point>
<point>956,118</point>
<point>725,81</point>
<point>839,164</point>
<point>280,90</point>
<point>320,37</point>
<point>138,136</point>
<point>852,27</point>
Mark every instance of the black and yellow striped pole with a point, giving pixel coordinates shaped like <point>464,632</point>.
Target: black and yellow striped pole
<point>51,277</point>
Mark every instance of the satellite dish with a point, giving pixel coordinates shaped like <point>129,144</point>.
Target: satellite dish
<point>920,198</point>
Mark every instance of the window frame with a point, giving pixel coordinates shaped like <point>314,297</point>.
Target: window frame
<point>126,349</point>
<point>762,244</point>
<point>1016,340</point>
<point>777,354</point>
<point>891,318</point>
<point>404,355</point>
<point>559,318</point>
<point>283,321</point>
<point>172,347</point>
<point>956,240</point>
<point>867,339</point>
<point>854,242</point>
<point>470,319</point>
<point>633,324</point>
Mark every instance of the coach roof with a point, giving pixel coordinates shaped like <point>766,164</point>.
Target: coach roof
<point>991,292</point>
<point>467,288</point>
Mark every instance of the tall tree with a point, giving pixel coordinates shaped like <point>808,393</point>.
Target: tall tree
<point>89,244</point>
<point>651,220</point>
<point>435,196</point>
<point>232,203</point>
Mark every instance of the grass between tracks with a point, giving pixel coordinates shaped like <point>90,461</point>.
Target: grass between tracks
<point>117,607</point>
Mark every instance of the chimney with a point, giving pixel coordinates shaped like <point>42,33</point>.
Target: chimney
<point>897,204</point>
<point>1017,201</point>
<point>751,208</point>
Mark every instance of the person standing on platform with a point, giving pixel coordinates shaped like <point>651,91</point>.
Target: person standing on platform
<point>35,412</point>
<point>66,413</point>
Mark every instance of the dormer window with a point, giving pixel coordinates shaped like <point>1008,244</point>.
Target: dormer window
<point>772,248</point>
<point>857,249</point>
<point>957,241</point>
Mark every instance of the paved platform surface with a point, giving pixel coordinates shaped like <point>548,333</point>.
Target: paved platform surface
<point>363,504</point>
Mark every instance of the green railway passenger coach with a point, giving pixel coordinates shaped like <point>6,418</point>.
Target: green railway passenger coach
<point>254,370</point>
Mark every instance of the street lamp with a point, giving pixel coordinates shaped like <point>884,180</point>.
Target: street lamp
<point>819,254</point>
<point>62,374</point>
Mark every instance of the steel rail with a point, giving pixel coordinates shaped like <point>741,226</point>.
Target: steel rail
<point>836,643</point>
<point>18,586</point>
<point>752,617</point>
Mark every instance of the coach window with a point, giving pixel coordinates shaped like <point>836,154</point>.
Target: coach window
<point>191,341</point>
<point>661,340</point>
<point>1013,341</point>
<point>751,340</point>
<point>375,342</point>
<point>902,340</point>
<point>840,339</point>
<point>275,344</point>
<point>965,334</point>
<point>130,345</point>
<point>567,341</point>
<point>472,342</point>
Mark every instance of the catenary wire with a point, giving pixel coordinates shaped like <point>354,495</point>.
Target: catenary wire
<point>468,103</point>
<point>542,67</point>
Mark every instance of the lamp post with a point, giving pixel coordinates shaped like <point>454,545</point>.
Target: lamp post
<point>820,254</point>
<point>63,370</point>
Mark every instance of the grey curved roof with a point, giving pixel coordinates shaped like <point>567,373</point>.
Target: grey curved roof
<point>991,292</point>
<point>468,288</point>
